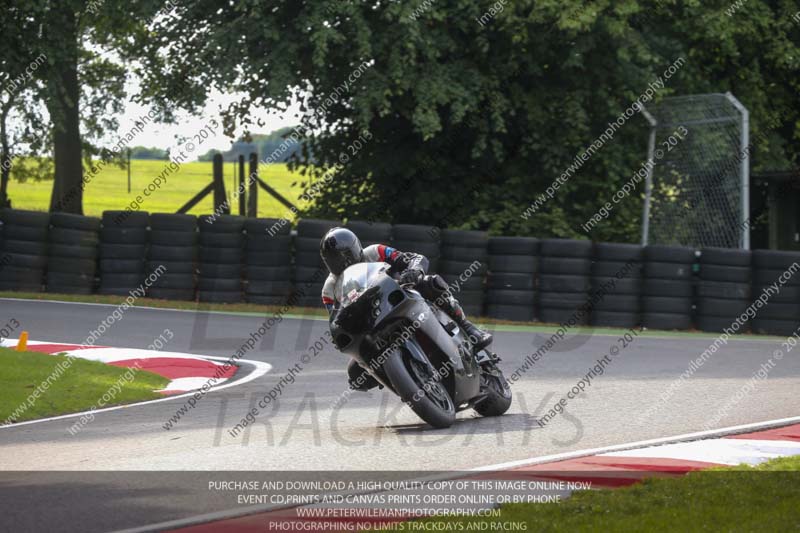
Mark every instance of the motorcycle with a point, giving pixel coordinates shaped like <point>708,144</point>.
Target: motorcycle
<point>413,348</point>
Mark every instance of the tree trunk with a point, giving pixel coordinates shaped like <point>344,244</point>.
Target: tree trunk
<point>5,157</point>
<point>65,113</point>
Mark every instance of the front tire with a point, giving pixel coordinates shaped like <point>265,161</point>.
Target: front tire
<point>427,397</point>
<point>497,390</point>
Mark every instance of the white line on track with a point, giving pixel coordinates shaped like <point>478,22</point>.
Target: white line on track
<point>256,509</point>
<point>260,369</point>
<point>713,433</point>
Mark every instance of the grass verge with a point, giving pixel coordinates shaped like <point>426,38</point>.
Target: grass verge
<point>66,385</point>
<point>741,498</point>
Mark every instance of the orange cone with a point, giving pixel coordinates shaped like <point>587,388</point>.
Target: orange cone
<point>22,343</point>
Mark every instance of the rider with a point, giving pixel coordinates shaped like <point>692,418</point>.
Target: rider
<point>340,248</point>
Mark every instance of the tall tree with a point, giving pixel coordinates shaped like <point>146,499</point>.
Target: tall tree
<point>81,82</point>
<point>475,108</point>
<point>18,90</point>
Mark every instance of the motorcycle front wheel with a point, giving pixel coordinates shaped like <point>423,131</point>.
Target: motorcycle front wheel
<point>417,387</point>
<point>497,390</point>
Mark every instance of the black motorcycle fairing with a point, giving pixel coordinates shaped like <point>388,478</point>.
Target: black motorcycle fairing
<point>369,326</point>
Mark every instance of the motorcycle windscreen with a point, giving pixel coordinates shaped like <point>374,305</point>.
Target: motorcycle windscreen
<point>356,279</point>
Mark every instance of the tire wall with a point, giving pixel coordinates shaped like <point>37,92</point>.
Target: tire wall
<point>511,285</point>
<point>463,265</point>
<point>781,314</point>
<point>233,259</point>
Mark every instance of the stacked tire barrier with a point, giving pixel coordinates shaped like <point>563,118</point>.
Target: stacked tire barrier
<point>723,290</point>
<point>565,267</point>
<point>370,233</point>
<point>268,258</point>
<point>667,288</point>
<point>24,256</point>
<point>122,250</point>
<point>781,314</point>
<point>309,270</point>
<point>616,284</point>
<point>625,284</point>
<point>420,239</point>
<point>172,256</point>
<point>221,253</point>
<point>463,264</point>
<point>4,258</point>
<point>513,263</point>
<point>72,253</point>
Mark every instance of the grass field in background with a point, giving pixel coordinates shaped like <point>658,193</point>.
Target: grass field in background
<point>109,189</point>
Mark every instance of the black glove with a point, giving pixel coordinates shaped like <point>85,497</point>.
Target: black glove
<point>412,276</point>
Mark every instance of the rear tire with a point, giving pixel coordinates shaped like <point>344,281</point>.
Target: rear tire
<point>434,406</point>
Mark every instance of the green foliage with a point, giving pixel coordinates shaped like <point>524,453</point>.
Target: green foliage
<point>90,40</point>
<point>476,116</point>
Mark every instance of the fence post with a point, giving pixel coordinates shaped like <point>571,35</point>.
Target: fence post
<point>252,181</point>
<point>220,201</point>
<point>242,188</point>
<point>648,184</point>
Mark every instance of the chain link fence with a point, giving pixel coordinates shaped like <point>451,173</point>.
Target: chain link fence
<point>697,186</point>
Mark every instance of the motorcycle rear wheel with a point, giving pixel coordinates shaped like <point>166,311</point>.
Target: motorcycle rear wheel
<point>415,385</point>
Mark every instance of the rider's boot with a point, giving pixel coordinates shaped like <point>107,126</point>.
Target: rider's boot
<point>358,377</point>
<point>480,339</point>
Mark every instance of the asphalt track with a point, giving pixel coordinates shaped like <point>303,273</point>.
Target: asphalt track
<point>301,431</point>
